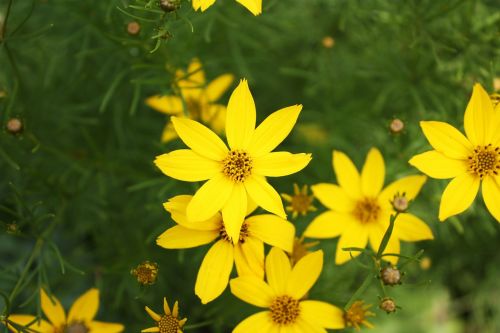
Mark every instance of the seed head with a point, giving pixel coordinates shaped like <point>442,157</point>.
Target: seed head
<point>170,5</point>
<point>388,305</point>
<point>400,202</point>
<point>390,276</point>
<point>133,28</point>
<point>14,126</point>
<point>396,126</point>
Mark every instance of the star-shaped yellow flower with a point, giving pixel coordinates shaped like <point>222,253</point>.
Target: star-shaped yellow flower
<point>196,99</point>
<point>238,173</point>
<point>167,323</point>
<point>360,208</point>
<point>254,6</point>
<point>470,160</point>
<point>246,251</point>
<point>80,318</point>
<point>283,297</point>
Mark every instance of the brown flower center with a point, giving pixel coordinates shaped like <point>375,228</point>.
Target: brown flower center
<point>301,203</point>
<point>485,161</point>
<point>194,108</point>
<point>243,233</point>
<point>285,310</point>
<point>146,273</point>
<point>76,327</point>
<point>237,166</point>
<point>367,210</point>
<point>168,324</point>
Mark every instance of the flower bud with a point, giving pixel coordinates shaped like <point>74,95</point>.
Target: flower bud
<point>133,28</point>
<point>14,126</point>
<point>390,276</point>
<point>170,5</point>
<point>328,42</point>
<point>400,202</point>
<point>388,305</point>
<point>396,126</point>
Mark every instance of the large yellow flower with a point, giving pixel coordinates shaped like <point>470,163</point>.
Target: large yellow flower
<point>468,160</point>
<point>254,6</point>
<point>246,251</point>
<point>283,296</point>
<point>237,174</point>
<point>360,209</point>
<point>80,318</point>
<point>196,101</point>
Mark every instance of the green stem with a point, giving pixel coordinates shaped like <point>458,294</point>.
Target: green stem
<point>4,23</point>
<point>387,236</point>
<point>202,324</point>
<point>361,290</point>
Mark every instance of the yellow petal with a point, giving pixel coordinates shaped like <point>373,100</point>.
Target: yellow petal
<point>200,138</point>
<point>155,316</point>
<point>329,224</point>
<point>240,118</point>
<point>436,165</point>
<point>40,325</point>
<point>166,307</point>
<point>272,230</point>
<point>186,165</point>
<point>252,290</point>
<point>177,207</point>
<point>458,195</point>
<point>219,86</point>
<point>355,236</point>
<point>260,322</point>
<point>324,314</point>
<point>479,118</point>
<point>166,104</point>
<point>215,116</point>
<point>209,199</point>
<point>393,247</point>
<point>410,228</point>
<point>278,270</point>
<point>254,6</point>
<point>491,196</point>
<point>85,307</point>
<point>179,237</point>
<point>168,133</point>
<point>234,211</point>
<point>373,173</point>
<point>264,195</point>
<point>280,164</point>
<point>273,130</point>
<point>249,257</point>
<point>155,328</point>
<point>307,326</point>
<point>304,274</point>
<point>102,327</point>
<point>446,139</point>
<point>53,309</point>
<point>333,197</point>
<point>214,272</point>
<point>195,76</point>
<point>409,185</point>
<point>347,174</point>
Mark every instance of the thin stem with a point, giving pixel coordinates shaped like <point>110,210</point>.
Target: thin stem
<point>4,23</point>
<point>361,289</point>
<point>202,324</point>
<point>387,236</point>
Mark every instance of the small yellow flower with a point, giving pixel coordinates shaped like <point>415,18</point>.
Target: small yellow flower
<point>282,297</point>
<point>300,249</point>
<point>146,272</point>
<point>79,320</point>
<point>245,251</point>
<point>356,315</point>
<point>470,161</point>
<point>254,6</point>
<point>328,42</point>
<point>360,208</point>
<point>197,99</point>
<point>167,323</point>
<point>300,201</point>
<point>238,174</point>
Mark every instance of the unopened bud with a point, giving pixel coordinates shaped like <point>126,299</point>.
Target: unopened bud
<point>133,28</point>
<point>14,125</point>
<point>400,203</point>
<point>170,5</point>
<point>388,305</point>
<point>396,126</point>
<point>328,42</point>
<point>390,276</point>
<point>12,228</point>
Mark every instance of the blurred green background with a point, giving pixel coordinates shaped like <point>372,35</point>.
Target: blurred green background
<point>79,193</point>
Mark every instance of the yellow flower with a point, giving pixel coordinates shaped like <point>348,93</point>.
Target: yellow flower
<point>300,201</point>
<point>196,101</point>
<point>168,323</point>
<point>470,160</point>
<point>80,318</point>
<point>238,174</point>
<point>146,272</point>
<point>282,296</point>
<point>254,6</point>
<point>246,251</point>
<point>360,209</point>
<point>356,315</point>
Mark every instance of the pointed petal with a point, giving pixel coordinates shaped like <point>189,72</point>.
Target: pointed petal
<point>177,207</point>
<point>322,313</point>
<point>273,130</point>
<point>252,290</point>
<point>200,138</point>
<point>409,185</point>
<point>280,164</point>
<point>240,118</point>
<point>209,199</point>
<point>234,211</point>
<point>85,307</point>
<point>166,307</point>
<point>39,326</point>
<point>458,195</point>
<point>347,174</point>
<point>249,257</point>
<point>446,139</point>
<point>175,309</point>
<point>278,270</point>
<point>304,274</point>
<point>309,327</point>
<point>260,322</point>
<point>168,133</point>
<point>215,116</point>
<point>186,165</point>
<point>179,237</point>
<point>52,309</point>
<point>491,196</point>
<point>436,165</point>
<point>102,327</point>
<point>155,328</point>
<point>219,86</point>
<point>264,195</point>
<point>272,230</point>
<point>355,236</point>
<point>333,197</point>
<point>410,228</point>
<point>152,314</point>
<point>166,104</point>
<point>373,173</point>
<point>202,4</point>
<point>254,6</point>
<point>214,272</point>
<point>329,224</point>
<point>479,117</point>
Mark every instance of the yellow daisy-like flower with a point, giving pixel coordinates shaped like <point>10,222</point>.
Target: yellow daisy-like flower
<point>245,251</point>
<point>80,318</point>
<point>356,315</point>
<point>167,323</point>
<point>237,174</point>
<point>470,160</point>
<point>197,99</point>
<point>282,296</point>
<point>254,6</point>
<point>360,208</point>
<point>300,201</point>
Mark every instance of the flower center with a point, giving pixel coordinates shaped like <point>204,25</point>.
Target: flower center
<point>356,315</point>
<point>194,108</point>
<point>146,272</point>
<point>168,324</point>
<point>237,166</point>
<point>76,327</point>
<point>243,233</point>
<point>367,210</point>
<point>485,161</point>
<point>301,203</point>
<point>285,310</point>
